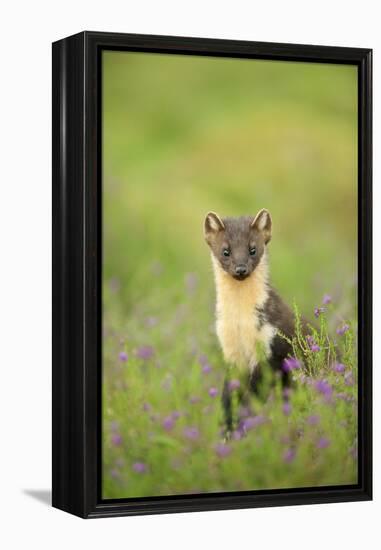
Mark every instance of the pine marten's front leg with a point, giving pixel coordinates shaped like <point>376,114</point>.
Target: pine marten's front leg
<point>227,406</point>
<point>253,385</point>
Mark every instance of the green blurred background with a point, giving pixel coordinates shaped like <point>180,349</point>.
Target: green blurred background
<point>183,135</point>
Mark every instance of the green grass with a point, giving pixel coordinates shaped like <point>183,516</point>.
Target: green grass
<point>183,136</point>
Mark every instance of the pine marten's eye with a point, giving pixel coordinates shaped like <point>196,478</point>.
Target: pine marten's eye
<point>252,251</point>
<point>226,252</point>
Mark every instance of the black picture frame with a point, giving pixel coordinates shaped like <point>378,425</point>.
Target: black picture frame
<point>77,254</point>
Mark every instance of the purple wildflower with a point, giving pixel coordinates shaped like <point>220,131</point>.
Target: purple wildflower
<point>323,443</point>
<point>123,356</point>
<point>318,311</point>
<point>222,450</point>
<point>290,363</point>
<point>252,422</point>
<point>191,433</point>
<point>342,330</point>
<point>312,344</point>
<point>339,367</point>
<point>146,407</point>
<point>289,455</point>
<point>327,299</point>
<point>248,423</point>
<point>237,435</point>
<point>194,399</point>
<point>323,387</point>
<point>145,352</point>
<point>168,423</point>
<point>287,409</point>
<point>213,391</point>
<point>313,419</point>
<point>116,439</point>
<point>175,415</point>
<point>139,467</point>
<point>204,363</point>
<point>234,384</point>
<point>348,379</point>
<point>114,473</point>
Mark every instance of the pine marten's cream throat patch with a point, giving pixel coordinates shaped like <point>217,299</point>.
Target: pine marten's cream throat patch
<point>238,323</point>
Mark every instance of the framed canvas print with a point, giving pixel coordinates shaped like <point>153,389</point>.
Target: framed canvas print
<point>211,274</point>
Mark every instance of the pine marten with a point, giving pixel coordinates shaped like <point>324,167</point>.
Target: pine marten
<point>248,310</point>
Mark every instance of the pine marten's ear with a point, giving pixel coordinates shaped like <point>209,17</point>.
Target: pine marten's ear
<point>262,222</point>
<point>212,225</point>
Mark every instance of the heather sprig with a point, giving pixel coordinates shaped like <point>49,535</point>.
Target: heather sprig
<point>317,350</point>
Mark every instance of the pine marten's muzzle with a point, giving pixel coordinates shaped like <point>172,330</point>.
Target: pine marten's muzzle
<point>241,271</point>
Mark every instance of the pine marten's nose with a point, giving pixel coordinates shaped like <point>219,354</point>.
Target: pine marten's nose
<point>241,270</point>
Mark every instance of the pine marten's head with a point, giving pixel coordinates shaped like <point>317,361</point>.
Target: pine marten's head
<point>238,244</point>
